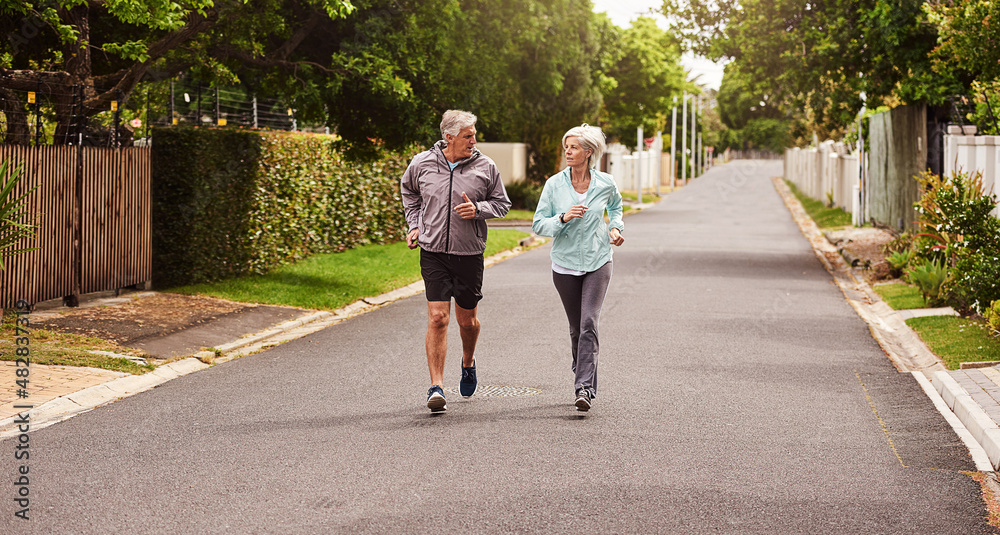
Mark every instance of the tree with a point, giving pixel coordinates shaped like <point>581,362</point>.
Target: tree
<point>821,58</point>
<point>968,37</point>
<point>647,74</point>
<point>83,55</point>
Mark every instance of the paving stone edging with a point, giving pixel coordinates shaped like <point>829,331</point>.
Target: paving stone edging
<point>971,413</point>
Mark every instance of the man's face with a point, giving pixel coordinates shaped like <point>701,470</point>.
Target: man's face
<point>461,145</point>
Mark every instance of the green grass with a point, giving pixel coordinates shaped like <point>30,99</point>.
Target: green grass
<point>528,215</point>
<point>647,196</point>
<point>331,281</point>
<point>823,216</point>
<point>53,347</point>
<point>901,296</point>
<point>956,340</point>
<point>520,215</point>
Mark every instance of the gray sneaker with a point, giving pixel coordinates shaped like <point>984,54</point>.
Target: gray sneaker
<point>583,400</point>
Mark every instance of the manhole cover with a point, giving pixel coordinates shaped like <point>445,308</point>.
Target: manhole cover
<point>492,391</point>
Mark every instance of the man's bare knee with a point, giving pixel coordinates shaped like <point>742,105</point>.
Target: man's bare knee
<point>438,319</point>
<point>468,322</point>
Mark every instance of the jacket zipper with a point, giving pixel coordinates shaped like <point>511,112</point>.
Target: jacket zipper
<point>447,228</point>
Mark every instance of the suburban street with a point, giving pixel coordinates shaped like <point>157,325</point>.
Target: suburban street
<point>739,393</point>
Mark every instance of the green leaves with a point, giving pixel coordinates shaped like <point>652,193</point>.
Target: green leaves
<point>643,75</point>
<point>929,277</point>
<point>229,202</point>
<point>12,212</point>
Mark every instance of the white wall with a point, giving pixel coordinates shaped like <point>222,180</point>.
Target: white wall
<point>825,170</point>
<point>971,154</point>
<point>511,159</point>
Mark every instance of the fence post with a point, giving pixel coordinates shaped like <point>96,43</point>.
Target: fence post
<point>73,299</point>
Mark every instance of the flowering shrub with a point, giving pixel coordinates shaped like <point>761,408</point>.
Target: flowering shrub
<point>958,229</point>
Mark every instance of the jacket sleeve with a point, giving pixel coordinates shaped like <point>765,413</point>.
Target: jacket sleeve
<point>546,220</point>
<point>497,203</point>
<point>409,189</point>
<point>615,210</point>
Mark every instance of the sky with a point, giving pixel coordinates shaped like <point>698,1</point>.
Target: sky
<point>622,12</point>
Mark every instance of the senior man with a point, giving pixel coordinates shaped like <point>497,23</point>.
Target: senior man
<point>449,191</point>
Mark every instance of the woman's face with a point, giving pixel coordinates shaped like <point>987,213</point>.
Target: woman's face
<point>575,154</point>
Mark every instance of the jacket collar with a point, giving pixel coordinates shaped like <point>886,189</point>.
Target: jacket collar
<point>442,144</point>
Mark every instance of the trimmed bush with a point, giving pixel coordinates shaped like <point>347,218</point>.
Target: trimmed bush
<point>231,202</point>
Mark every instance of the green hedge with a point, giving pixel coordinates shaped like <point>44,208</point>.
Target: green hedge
<point>231,202</point>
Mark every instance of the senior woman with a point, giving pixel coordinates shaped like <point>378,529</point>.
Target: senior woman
<point>571,210</point>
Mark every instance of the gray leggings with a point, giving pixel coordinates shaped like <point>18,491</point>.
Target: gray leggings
<point>582,298</point>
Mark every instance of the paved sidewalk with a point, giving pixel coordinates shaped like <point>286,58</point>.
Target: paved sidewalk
<point>47,383</point>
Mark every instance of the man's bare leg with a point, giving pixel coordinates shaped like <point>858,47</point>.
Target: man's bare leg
<point>438,316</point>
<point>468,327</point>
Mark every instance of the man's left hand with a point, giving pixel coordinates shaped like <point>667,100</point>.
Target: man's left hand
<point>466,210</point>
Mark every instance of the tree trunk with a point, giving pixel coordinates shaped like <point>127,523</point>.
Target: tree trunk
<point>78,66</point>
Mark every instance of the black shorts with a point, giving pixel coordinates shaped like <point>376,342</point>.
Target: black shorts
<point>448,275</point>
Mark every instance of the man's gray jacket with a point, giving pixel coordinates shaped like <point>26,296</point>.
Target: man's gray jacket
<point>431,190</point>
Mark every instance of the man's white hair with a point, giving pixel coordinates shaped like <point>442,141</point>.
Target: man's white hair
<point>591,138</point>
<point>453,121</point>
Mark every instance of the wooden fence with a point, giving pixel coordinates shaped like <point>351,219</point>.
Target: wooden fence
<point>92,211</point>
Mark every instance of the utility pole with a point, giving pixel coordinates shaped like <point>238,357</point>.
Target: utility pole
<point>694,146</point>
<point>658,155</point>
<point>684,129</point>
<point>673,147</point>
<point>638,160</point>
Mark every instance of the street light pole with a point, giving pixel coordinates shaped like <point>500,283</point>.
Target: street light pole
<point>638,160</point>
<point>684,126</point>
<point>673,147</point>
<point>694,128</point>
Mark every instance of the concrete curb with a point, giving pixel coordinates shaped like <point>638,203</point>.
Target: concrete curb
<point>982,428</point>
<point>979,455</point>
<point>70,405</point>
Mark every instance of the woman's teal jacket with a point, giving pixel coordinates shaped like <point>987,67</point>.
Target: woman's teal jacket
<point>580,244</point>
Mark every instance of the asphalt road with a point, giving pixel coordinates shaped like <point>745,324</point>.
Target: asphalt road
<point>739,393</point>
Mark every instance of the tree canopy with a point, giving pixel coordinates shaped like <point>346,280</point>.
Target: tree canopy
<point>821,62</point>
<point>378,73</point>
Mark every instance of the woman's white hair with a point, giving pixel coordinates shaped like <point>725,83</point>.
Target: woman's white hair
<point>591,138</point>
<point>453,121</point>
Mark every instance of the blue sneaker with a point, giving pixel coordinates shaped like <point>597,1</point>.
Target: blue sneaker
<point>435,399</point>
<point>468,383</point>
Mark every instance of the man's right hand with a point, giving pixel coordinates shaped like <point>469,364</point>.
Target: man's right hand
<point>411,238</point>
